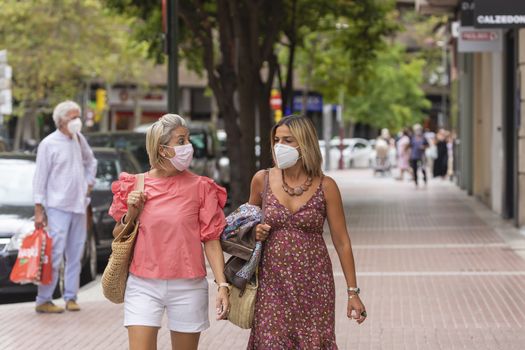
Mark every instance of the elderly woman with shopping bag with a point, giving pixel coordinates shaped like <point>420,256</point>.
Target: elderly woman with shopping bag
<point>178,213</point>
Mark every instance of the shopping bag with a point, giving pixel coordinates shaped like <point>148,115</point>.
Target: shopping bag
<point>28,267</point>
<point>47,261</point>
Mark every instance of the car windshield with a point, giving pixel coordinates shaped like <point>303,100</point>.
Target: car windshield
<point>198,140</point>
<point>16,182</point>
<point>106,173</point>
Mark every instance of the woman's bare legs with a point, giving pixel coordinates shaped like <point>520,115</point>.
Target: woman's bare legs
<point>184,341</point>
<point>142,337</point>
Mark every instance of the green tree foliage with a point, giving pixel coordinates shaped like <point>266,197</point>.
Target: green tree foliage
<point>56,47</point>
<point>235,42</point>
<point>356,27</point>
<point>392,96</point>
<point>428,33</point>
<point>379,82</point>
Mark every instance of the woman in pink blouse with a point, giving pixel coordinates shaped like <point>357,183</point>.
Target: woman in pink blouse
<point>178,212</point>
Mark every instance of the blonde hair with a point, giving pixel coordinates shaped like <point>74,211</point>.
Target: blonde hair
<point>303,130</point>
<point>159,133</point>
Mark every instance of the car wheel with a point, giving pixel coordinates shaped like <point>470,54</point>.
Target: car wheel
<point>89,270</point>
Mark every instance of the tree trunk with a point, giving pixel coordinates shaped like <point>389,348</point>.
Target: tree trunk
<point>265,122</point>
<point>242,55</point>
<point>287,93</point>
<point>23,124</point>
<point>265,114</point>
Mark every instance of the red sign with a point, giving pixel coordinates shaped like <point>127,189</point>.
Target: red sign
<point>479,36</point>
<point>276,101</point>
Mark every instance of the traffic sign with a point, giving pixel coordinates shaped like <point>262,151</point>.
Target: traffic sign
<point>276,101</point>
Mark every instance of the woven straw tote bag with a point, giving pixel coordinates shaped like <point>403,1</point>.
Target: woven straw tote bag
<point>116,272</point>
<point>242,304</point>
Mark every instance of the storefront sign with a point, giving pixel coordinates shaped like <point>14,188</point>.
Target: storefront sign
<point>480,40</point>
<point>314,102</point>
<point>499,14</point>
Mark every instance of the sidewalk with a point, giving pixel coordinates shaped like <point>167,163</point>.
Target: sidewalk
<point>437,270</point>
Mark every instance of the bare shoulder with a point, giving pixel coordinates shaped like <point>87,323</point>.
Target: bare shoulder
<point>329,183</point>
<point>258,178</point>
<point>260,174</point>
<point>330,187</point>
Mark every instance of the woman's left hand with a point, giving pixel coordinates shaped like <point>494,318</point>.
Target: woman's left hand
<point>222,303</point>
<point>356,309</point>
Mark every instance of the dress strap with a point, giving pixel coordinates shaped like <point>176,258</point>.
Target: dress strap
<point>265,194</point>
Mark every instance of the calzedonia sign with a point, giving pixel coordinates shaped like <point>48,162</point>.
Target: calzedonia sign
<point>499,13</point>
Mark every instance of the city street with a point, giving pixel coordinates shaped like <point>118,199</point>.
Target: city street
<point>436,268</point>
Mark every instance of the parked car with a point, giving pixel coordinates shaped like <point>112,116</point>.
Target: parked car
<point>202,136</point>
<point>356,152</point>
<point>17,221</point>
<point>111,162</point>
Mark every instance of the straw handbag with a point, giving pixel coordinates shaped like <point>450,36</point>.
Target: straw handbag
<point>116,272</point>
<point>242,304</point>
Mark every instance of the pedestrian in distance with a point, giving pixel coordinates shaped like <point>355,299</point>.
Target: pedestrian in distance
<point>418,145</point>
<point>178,212</point>
<point>440,168</point>
<point>63,180</point>
<point>450,139</point>
<point>382,148</point>
<point>295,306</point>
<point>403,153</point>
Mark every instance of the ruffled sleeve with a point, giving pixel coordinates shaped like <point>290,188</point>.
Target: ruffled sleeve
<point>121,188</point>
<point>211,216</point>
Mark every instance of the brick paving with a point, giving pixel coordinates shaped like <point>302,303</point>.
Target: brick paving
<point>435,269</point>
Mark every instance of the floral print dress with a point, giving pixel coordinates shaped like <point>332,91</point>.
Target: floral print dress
<point>295,307</point>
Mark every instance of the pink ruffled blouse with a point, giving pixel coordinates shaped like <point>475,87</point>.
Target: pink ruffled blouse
<point>180,213</point>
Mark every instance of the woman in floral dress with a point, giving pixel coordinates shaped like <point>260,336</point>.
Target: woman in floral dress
<point>295,307</point>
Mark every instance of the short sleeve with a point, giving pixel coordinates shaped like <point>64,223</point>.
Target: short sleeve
<point>121,188</point>
<point>211,214</point>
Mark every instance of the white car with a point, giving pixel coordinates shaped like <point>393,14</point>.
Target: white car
<point>356,152</point>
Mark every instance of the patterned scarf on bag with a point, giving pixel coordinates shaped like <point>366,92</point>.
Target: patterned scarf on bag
<point>246,216</point>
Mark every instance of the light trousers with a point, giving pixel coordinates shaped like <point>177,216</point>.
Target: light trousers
<point>68,231</point>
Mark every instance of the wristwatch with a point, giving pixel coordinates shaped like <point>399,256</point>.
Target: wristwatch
<point>355,290</point>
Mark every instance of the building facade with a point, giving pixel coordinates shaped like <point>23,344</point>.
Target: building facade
<point>487,68</point>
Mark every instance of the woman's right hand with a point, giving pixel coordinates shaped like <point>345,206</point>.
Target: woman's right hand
<point>261,232</point>
<point>136,200</point>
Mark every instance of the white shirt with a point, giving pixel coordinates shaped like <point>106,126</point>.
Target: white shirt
<point>64,169</point>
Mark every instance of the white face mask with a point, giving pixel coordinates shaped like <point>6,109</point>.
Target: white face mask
<point>74,126</point>
<point>285,156</point>
<point>183,156</point>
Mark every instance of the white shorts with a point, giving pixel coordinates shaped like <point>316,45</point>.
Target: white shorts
<point>186,302</point>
